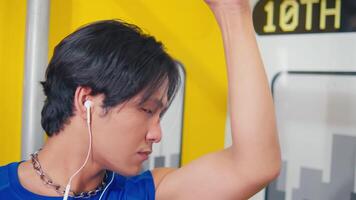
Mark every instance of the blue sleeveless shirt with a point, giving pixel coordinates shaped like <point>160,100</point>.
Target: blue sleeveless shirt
<point>139,187</point>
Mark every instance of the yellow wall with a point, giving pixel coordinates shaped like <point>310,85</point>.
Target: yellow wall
<point>12,43</point>
<point>187,29</point>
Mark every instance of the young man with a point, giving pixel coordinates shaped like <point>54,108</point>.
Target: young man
<point>107,86</point>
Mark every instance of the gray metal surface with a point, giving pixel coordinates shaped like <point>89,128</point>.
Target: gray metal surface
<point>36,58</point>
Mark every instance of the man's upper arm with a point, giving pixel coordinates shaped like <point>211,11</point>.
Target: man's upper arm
<point>214,176</point>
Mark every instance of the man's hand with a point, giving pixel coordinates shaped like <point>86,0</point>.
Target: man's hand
<point>213,4</point>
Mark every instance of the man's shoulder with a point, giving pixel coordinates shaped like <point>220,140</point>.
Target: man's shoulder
<point>4,176</point>
<point>140,186</point>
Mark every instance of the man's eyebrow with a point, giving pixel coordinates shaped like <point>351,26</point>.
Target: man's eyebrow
<point>158,103</point>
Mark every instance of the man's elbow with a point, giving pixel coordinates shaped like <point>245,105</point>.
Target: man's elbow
<point>272,171</point>
<point>273,174</point>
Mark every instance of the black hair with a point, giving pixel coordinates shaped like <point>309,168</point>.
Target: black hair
<point>110,57</point>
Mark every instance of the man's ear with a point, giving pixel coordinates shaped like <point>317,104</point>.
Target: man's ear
<point>80,96</point>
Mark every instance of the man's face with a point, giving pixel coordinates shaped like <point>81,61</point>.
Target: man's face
<point>123,137</point>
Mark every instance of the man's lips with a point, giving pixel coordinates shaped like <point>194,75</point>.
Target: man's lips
<point>144,154</point>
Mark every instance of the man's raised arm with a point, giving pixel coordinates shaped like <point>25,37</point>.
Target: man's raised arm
<point>253,160</point>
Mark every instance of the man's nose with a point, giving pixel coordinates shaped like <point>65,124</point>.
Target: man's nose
<point>154,135</point>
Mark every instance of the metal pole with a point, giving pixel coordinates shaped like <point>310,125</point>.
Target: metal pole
<point>36,58</point>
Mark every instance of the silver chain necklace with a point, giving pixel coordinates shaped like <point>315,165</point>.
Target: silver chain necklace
<point>47,181</point>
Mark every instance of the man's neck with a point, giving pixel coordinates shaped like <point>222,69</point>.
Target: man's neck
<point>61,156</point>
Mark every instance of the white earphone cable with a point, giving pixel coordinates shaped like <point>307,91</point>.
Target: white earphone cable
<point>112,178</point>
<point>66,193</point>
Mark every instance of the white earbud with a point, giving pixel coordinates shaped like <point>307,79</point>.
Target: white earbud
<point>87,105</point>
